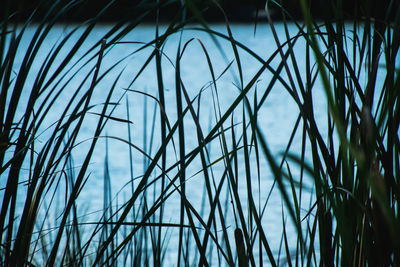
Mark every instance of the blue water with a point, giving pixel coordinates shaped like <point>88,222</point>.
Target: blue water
<point>276,119</point>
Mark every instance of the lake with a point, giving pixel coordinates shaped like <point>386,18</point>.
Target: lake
<point>115,159</point>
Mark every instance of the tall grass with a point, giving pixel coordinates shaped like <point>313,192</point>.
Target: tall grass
<point>355,167</point>
<point>336,177</point>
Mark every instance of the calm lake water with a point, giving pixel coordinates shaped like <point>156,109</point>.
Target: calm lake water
<point>276,118</point>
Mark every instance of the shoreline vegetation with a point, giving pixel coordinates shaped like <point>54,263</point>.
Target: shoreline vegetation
<point>353,218</point>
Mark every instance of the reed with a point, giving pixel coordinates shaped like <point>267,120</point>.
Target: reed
<point>338,192</point>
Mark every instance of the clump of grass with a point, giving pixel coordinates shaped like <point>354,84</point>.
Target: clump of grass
<point>345,214</point>
<point>355,166</point>
<point>33,172</point>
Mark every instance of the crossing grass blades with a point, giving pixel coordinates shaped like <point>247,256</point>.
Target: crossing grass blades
<point>352,158</point>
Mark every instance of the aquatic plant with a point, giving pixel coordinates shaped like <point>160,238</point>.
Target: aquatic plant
<point>339,191</point>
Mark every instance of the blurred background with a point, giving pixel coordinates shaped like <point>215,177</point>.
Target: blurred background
<point>235,10</point>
